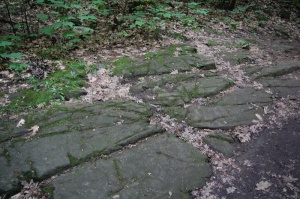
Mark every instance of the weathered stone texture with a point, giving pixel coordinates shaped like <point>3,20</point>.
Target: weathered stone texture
<point>161,167</point>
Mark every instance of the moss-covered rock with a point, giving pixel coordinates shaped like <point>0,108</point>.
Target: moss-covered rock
<point>272,77</point>
<point>221,143</point>
<point>160,167</point>
<point>238,108</point>
<point>181,58</point>
<point>234,58</point>
<point>68,136</point>
<point>60,85</point>
<point>278,70</point>
<point>179,89</point>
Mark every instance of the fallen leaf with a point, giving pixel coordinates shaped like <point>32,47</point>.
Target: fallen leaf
<point>259,117</point>
<point>266,110</point>
<point>230,189</point>
<point>116,196</point>
<point>21,123</point>
<point>16,196</point>
<point>244,137</point>
<point>91,78</point>
<point>139,101</point>
<point>289,178</point>
<point>262,185</point>
<point>247,163</point>
<point>174,72</point>
<point>120,122</point>
<point>34,130</point>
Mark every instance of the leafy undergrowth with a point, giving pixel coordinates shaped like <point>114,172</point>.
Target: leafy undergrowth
<point>61,85</point>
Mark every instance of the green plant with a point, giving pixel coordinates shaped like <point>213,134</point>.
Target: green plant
<point>6,46</point>
<point>211,43</point>
<point>18,67</point>
<point>7,54</point>
<point>122,64</point>
<point>240,9</point>
<point>189,22</point>
<point>49,191</point>
<point>262,23</point>
<point>226,4</point>
<point>69,26</point>
<point>57,86</point>
<point>233,25</point>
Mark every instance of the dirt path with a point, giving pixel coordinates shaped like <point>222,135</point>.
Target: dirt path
<point>265,167</point>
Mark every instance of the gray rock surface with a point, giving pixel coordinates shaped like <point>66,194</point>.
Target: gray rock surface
<point>234,58</point>
<point>278,70</point>
<point>174,90</point>
<point>161,167</point>
<point>234,109</point>
<point>282,87</point>
<point>221,143</point>
<point>71,136</point>
<point>167,65</point>
<point>273,77</point>
<point>245,96</point>
<point>179,57</point>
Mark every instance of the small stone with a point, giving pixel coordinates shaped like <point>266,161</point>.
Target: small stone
<point>220,143</point>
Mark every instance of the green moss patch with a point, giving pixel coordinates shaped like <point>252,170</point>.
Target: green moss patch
<point>48,191</point>
<point>170,51</point>
<point>179,89</point>
<point>60,85</point>
<point>5,153</point>
<point>212,43</point>
<point>73,161</point>
<point>175,57</point>
<point>123,64</point>
<point>71,135</point>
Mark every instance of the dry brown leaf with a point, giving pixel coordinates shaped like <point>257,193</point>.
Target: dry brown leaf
<point>262,185</point>
<point>289,179</point>
<point>259,117</point>
<point>174,72</point>
<point>34,129</point>
<point>230,189</point>
<point>21,123</point>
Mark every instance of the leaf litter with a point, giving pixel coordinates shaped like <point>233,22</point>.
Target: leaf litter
<point>262,185</point>
<point>104,86</point>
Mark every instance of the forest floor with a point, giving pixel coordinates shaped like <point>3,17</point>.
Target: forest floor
<point>258,157</point>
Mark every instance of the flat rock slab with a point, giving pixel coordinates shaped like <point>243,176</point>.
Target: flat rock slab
<point>179,89</point>
<point>161,167</point>
<point>69,136</point>
<point>164,63</point>
<point>282,87</point>
<point>245,96</point>
<point>234,58</point>
<point>274,71</point>
<point>10,130</point>
<point>217,117</point>
<point>273,78</point>
<point>224,114</point>
<point>221,143</point>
